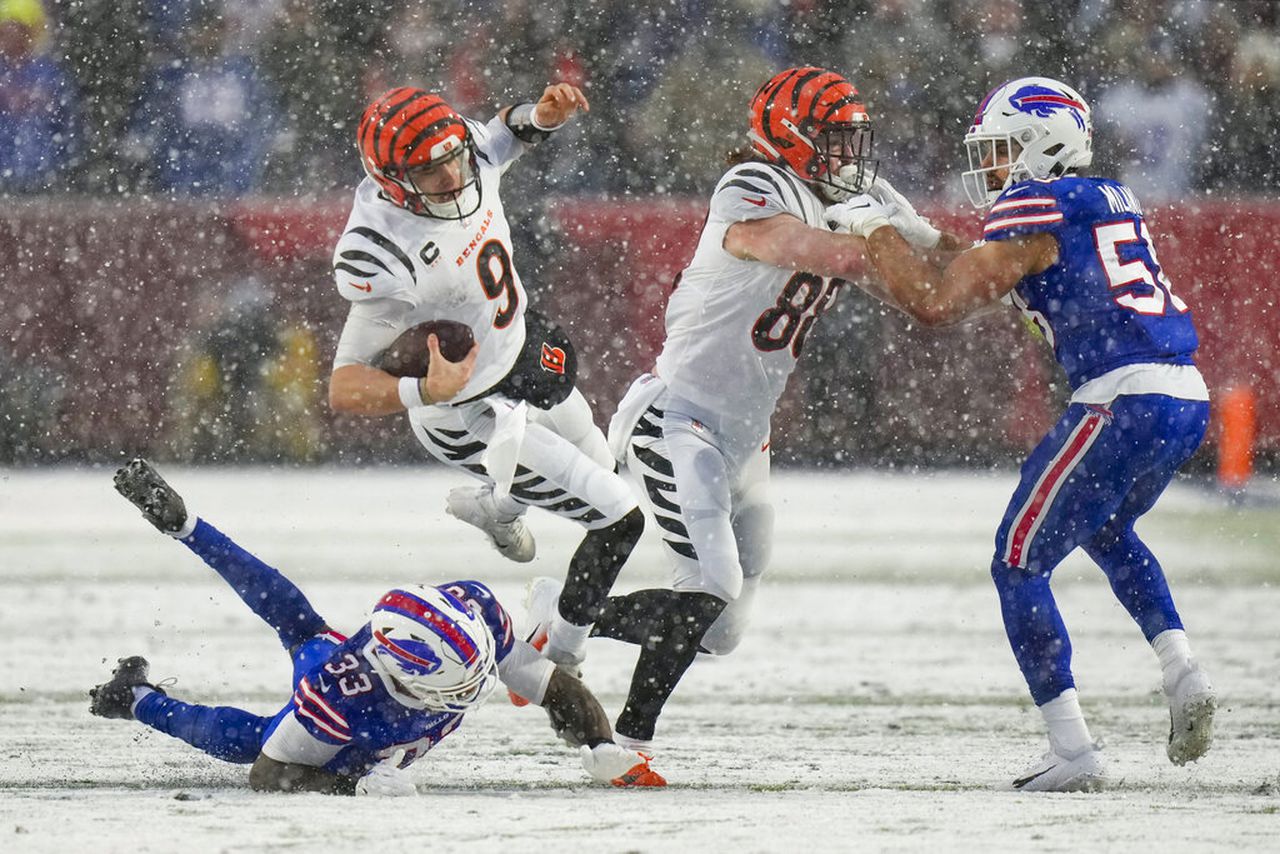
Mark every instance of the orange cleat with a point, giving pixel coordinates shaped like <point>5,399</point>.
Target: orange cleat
<point>640,775</point>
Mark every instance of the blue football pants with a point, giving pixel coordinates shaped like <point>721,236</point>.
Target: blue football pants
<point>1086,484</point>
<point>226,732</point>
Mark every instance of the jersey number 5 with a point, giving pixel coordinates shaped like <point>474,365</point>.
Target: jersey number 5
<point>493,266</point>
<point>788,321</point>
<point>1125,274</point>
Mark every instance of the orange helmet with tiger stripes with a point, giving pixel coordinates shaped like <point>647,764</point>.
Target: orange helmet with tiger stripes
<point>807,119</point>
<point>409,130</point>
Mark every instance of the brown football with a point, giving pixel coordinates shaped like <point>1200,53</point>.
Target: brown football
<point>408,355</point>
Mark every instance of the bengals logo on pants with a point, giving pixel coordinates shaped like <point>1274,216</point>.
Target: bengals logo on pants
<point>553,358</point>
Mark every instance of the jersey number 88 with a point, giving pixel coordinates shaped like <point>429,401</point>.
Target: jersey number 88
<point>787,322</point>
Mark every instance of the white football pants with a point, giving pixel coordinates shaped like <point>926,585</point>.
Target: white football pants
<point>563,463</point>
<point>709,494</point>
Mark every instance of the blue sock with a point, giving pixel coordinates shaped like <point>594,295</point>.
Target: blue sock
<point>268,594</point>
<point>1035,629</point>
<point>223,732</point>
<point>1137,581</point>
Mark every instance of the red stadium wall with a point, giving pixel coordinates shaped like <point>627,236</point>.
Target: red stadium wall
<point>109,308</point>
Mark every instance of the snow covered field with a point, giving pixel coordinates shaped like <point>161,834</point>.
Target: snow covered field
<point>874,706</point>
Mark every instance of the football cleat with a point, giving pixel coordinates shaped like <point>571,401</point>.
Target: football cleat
<point>114,698</point>
<point>139,482</point>
<point>541,597</point>
<point>474,505</point>
<point>1083,772</point>
<point>640,775</point>
<point>1192,704</point>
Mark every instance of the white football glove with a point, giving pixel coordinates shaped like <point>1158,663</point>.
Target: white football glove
<point>610,763</point>
<point>860,215</point>
<point>914,228</point>
<point>386,780</point>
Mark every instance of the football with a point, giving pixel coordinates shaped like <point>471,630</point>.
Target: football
<point>408,355</point>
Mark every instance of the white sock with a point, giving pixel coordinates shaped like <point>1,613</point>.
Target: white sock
<point>636,744</point>
<point>139,691</point>
<point>1068,733</point>
<point>567,641</point>
<point>1174,652</point>
<point>503,508</point>
<point>188,527</point>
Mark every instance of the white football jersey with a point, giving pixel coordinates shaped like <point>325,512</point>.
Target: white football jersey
<point>735,328</point>
<point>399,269</point>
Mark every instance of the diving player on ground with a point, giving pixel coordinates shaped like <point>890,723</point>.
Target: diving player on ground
<point>1075,256</point>
<point>364,707</point>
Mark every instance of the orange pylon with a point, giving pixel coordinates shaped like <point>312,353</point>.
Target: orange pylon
<point>1238,427</point>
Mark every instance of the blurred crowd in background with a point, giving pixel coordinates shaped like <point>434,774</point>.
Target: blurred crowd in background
<point>128,128</point>
<point>228,97</point>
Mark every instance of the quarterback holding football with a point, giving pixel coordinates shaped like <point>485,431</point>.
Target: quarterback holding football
<point>426,262</point>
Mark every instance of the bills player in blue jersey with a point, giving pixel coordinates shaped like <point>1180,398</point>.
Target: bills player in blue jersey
<point>364,707</point>
<point>1075,256</point>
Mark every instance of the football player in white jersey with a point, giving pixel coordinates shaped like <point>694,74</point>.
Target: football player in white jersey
<point>427,240</point>
<point>695,431</point>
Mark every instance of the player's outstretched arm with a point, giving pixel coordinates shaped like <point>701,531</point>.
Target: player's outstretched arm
<point>385,779</point>
<point>974,280</point>
<point>575,713</point>
<point>268,775</point>
<point>365,390</point>
<point>784,241</point>
<point>579,720</point>
<point>534,122</point>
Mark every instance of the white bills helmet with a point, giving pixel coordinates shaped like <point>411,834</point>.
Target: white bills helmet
<point>1038,127</point>
<point>434,648</point>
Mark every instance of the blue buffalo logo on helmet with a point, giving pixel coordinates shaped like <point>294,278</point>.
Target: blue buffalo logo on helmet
<point>1044,102</point>
<point>1033,128</point>
<point>418,652</point>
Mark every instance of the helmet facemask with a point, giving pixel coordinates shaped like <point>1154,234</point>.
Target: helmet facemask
<point>459,198</point>
<point>987,155</point>
<point>850,146</point>
<point>459,698</point>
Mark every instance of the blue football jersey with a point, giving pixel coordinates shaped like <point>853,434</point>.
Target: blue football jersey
<point>344,702</point>
<point>1106,302</point>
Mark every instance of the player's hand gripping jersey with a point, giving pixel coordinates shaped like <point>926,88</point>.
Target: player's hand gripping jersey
<point>399,269</point>
<point>1106,303</point>
<point>736,327</point>
<point>346,717</point>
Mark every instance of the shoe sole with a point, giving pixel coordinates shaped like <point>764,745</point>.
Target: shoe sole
<point>1197,738</point>
<point>504,550</point>
<point>1080,783</point>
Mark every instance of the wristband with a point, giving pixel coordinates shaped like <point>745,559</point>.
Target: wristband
<point>523,122</point>
<point>410,389</point>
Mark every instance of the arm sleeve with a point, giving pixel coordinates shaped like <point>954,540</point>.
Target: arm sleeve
<point>496,143</point>
<point>293,743</point>
<point>371,327</point>
<point>526,672</point>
